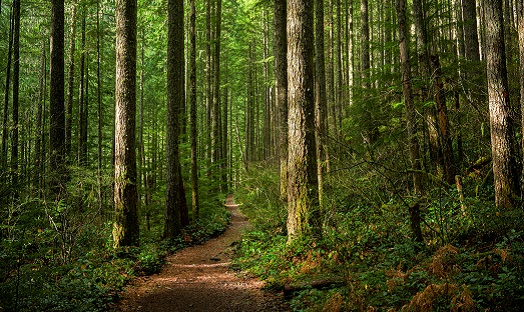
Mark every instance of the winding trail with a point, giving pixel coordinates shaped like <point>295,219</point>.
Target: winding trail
<point>198,278</point>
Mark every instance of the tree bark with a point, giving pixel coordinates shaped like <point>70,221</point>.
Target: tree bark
<point>501,121</point>
<point>125,226</point>
<point>56,102</point>
<point>303,212</point>
<point>176,207</point>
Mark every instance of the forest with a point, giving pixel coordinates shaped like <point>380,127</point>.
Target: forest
<point>377,148</point>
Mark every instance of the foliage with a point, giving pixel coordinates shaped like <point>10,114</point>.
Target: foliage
<point>59,256</point>
<point>472,259</point>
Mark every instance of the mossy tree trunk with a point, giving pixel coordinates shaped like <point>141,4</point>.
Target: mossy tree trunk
<point>125,226</point>
<point>303,213</point>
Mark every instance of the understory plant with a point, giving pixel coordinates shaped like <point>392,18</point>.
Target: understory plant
<point>471,259</point>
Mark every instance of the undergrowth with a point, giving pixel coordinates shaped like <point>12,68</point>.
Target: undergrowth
<point>54,257</point>
<point>471,260</point>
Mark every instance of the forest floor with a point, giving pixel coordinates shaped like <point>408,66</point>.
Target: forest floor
<point>199,278</point>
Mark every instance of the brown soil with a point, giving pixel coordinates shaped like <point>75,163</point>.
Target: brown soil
<point>199,278</point>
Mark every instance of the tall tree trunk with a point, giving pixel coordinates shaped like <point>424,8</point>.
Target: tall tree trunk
<point>208,85</point>
<point>250,109</point>
<point>99,106</point>
<point>70,85</point>
<point>38,155</point>
<point>303,210</point>
<point>443,122</point>
<point>320,94</point>
<point>501,121</point>
<point>471,39</point>
<point>141,181</point>
<point>5,121</point>
<point>216,110</point>
<point>56,103</point>
<point>280,51</point>
<point>176,207</point>
<point>16,89</point>
<point>195,205</point>
<point>411,123</point>
<point>125,226</point>
<point>82,98</point>
<point>520,30</point>
<point>425,76</point>
<point>370,132</point>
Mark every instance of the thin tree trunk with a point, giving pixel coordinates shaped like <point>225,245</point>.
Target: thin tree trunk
<point>5,121</point>
<point>320,94</point>
<point>141,157</point>
<point>208,85</point>
<point>82,98</point>
<point>520,19</point>
<point>442,113</point>
<point>176,207</point>
<point>99,107</point>
<point>70,85</point>
<point>56,103</point>
<point>193,113</point>
<point>280,50</point>
<point>16,89</point>
<point>414,153</point>
<point>38,155</point>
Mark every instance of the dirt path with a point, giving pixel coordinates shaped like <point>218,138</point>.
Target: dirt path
<point>198,279</point>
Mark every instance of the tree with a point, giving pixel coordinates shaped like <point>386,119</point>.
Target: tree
<point>520,18</point>
<point>5,122</point>
<point>125,226</point>
<point>70,84</point>
<point>16,95</point>
<point>56,102</point>
<point>176,207</point>
<point>280,51</point>
<point>502,140</point>
<point>83,97</point>
<point>469,16</point>
<point>302,163</point>
<point>193,112</point>
<point>414,152</point>
<point>320,93</point>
